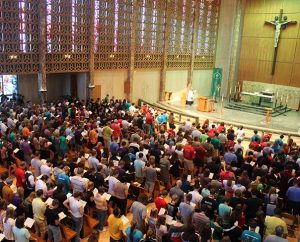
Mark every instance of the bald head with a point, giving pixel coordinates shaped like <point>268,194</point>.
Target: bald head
<point>179,183</point>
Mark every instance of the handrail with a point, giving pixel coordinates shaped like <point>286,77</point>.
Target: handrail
<point>226,122</point>
<point>180,114</point>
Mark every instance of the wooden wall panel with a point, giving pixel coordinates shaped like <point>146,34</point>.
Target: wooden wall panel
<point>257,47</point>
<point>297,54</point>
<point>295,81</point>
<point>283,74</point>
<point>247,70</point>
<point>263,71</point>
<point>286,50</point>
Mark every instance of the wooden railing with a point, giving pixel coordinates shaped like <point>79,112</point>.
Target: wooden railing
<point>198,119</point>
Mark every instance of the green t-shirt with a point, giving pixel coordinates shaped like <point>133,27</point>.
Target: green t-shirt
<point>62,142</point>
<point>203,137</point>
<point>215,142</point>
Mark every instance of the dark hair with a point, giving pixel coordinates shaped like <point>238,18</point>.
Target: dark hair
<point>143,198</point>
<point>39,193</point>
<point>20,222</point>
<point>117,212</point>
<point>77,194</point>
<point>55,203</point>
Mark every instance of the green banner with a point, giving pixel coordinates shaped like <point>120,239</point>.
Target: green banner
<point>216,82</point>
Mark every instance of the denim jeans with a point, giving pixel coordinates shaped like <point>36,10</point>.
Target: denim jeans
<point>78,227</point>
<point>101,215</point>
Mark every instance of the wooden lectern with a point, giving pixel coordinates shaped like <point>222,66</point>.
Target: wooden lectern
<point>205,105</point>
<point>183,98</point>
<point>202,104</point>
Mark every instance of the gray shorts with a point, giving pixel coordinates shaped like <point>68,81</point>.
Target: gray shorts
<point>54,233</point>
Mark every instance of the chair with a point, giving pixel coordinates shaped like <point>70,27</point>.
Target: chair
<point>67,233</point>
<point>89,224</point>
<point>35,237</point>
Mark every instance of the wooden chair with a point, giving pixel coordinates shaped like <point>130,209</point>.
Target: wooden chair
<point>67,233</point>
<point>35,237</point>
<point>89,224</point>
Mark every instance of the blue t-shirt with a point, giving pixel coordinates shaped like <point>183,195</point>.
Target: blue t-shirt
<point>250,236</point>
<point>293,194</point>
<point>137,235</point>
<point>65,180</point>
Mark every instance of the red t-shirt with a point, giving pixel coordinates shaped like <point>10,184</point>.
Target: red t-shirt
<point>149,119</point>
<point>200,152</point>
<point>225,174</point>
<point>254,145</point>
<point>116,130</point>
<point>160,203</point>
<point>20,177</point>
<point>188,152</point>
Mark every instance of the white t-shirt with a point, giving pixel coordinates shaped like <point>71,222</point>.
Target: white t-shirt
<point>240,134</point>
<point>7,229</point>
<point>111,182</point>
<point>75,206</point>
<point>40,184</point>
<point>196,197</point>
<point>46,170</point>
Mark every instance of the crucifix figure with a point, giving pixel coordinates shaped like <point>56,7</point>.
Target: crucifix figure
<point>279,24</point>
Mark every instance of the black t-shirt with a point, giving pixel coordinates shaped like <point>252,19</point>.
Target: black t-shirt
<point>235,201</point>
<point>211,206</point>
<point>234,233</point>
<point>253,205</point>
<point>51,215</point>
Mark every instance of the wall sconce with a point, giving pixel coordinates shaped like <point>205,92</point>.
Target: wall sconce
<point>13,57</point>
<point>203,57</point>
<point>177,56</point>
<point>111,56</point>
<point>67,56</point>
<point>147,56</point>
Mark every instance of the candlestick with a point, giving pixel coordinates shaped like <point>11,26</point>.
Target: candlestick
<point>222,98</point>
<point>230,92</point>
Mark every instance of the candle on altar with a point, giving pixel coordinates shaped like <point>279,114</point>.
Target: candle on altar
<point>230,92</point>
<point>287,98</point>
<point>222,98</point>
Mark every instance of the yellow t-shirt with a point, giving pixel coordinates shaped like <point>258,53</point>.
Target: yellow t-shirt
<point>272,222</point>
<point>115,226</point>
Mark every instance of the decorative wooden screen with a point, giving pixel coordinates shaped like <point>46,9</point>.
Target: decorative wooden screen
<point>181,14</point>
<point>69,40</point>
<point>112,33</point>
<point>149,34</point>
<point>18,36</point>
<point>67,35</point>
<point>206,34</point>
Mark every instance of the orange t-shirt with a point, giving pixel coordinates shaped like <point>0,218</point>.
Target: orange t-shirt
<point>25,132</point>
<point>93,137</point>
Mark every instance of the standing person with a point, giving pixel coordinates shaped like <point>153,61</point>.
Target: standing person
<point>120,194</point>
<point>133,234</point>
<point>189,155</point>
<point>53,222</point>
<point>278,237</point>
<point>115,226</point>
<point>20,174</point>
<point>7,192</point>
<point>293,198</point>
<point>76,209</point>
<point>251,235</point>
<point>187,210</point>
<point>139,212</point>
<point>150,175</point>
<point>8,224</point>
<point>164,165</point>
<point>101,207</point>
<point>139,166</point>
<point>21,234</point>
<point>160,201</point>
<point>39,208</point>
<point>107,132</point>
<point>36,163</point>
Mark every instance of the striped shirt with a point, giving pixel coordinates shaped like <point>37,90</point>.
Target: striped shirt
<point>100,202</point>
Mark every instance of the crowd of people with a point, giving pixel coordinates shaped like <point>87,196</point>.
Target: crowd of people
<point>71,158</point>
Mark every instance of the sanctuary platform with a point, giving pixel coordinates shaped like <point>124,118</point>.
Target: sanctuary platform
<point>288,122</point>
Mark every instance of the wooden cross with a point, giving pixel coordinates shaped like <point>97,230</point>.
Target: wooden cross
<point>279,24</point>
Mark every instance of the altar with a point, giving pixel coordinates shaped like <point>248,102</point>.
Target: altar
<point>262,99</point>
